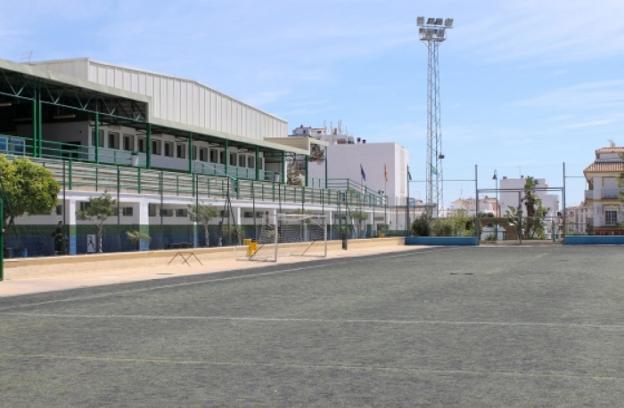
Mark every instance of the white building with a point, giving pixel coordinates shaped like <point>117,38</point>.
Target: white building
<point>487,205</point>
<point>603,198</point>
<point>576,219</point>
<point>509,199</point>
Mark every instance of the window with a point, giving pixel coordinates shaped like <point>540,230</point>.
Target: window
<point>113,140</point>
<point>166,212</point>
<point>214,156</point>
<point>127,211</point>
<point>156,147</point>
<point>261,163</point>
<point>181,151</point>
<point>151,209</point>
<point>128,143</point>
<point>222,157</point>
<point>141,144</point>
<point>242,160</point>
<point>233,159</point>
<point>169,149</point>
<point>59,209</point>
<point>611,217</point>
<point>181,212</point>
<point>194,152</point>
<point>203,154</point>
<point>251,162</point>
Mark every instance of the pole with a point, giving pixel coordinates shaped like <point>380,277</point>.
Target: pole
<point>326,167</point>
<point>477,219</point>
<point>148,146</point>
<point>563,198</point>
<point>520,217</point>
<point>96,129</point>
<point>407,215</point>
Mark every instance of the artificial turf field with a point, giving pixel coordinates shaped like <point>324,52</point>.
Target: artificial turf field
<point>455,327</point>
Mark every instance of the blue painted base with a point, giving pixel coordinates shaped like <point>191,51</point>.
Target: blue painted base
<point>445,241</point>
<point>594,240</point>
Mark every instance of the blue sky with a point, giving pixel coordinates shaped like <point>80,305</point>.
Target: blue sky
<point>525,86</point>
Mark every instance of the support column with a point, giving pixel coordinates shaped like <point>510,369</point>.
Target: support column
<point>257,163</point>
<point>307,163</point>
<point>190,153</point>
<point>283,168</point>
<point>226,156</point>
<point>326,166</point>
<point>97,137</point>
<point>148,146</point>
<point>35,132</point>
<point>71,223</point>
<point>144,224</point>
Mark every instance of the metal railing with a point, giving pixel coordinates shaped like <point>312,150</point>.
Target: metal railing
<point>102,177</point>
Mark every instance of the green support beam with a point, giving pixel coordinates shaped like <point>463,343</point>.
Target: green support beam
<point>190,153</point>
<point>39,125</point>
<point>282,171</point>
<point>148,146</point>
<point>226,153</point>
<point>307,160</point>
<point>97,137</point>
<point>326,159</point>
<point>257,161</point>
<point>35,132</point>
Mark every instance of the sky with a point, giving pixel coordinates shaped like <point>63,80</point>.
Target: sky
<point>525,85</point>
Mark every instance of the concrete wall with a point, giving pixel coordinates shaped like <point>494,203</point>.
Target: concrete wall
<point>343,161</point>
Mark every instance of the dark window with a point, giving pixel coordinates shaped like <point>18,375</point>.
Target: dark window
<point>251,162</point>
<point>222,157</point>
<point>166,212</point>
<point>151,209</point>
<point>113,140</point>
<point>156,146</point>
<point>128,143</point>
<point>181,212</point>
<point>194,152</point>
<point>233,159</point>
<point>127,211</point>
<point>203,154</point>
<point>168,149</point>
<point>181,151</point>
<point>141,144</point>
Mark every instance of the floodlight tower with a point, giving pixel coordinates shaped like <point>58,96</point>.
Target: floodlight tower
<point>432,33</point>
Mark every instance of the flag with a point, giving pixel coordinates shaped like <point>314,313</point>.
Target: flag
<point>409,175</point>
<point>385,173</point>
<point>495,176</point>
<point>362,173</point>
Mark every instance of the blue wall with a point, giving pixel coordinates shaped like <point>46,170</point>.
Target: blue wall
<point>594,240</point>
<point>447,241</point>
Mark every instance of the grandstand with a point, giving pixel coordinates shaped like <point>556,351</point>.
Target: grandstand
<point>158,144</point>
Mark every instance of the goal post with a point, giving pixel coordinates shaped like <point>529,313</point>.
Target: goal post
<point>303,235</point>
<point>288,234</point>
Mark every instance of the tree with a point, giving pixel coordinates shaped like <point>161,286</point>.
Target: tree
<point>98,209</point>
<point>535,211</point>
<point>421,227</point>
<point>26,188</point>
<point>136,236</point>
<point>359,217</point>
<point>202,214</point>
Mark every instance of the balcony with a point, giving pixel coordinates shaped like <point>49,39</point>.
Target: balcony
<point>604,194</point>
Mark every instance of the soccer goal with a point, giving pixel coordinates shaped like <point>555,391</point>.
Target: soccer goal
<point>289,234</point>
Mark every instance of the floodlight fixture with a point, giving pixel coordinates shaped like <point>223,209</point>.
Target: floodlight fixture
<point>448,23</point>
<point>431,21</point>
<point>438,21</point>
<point>420,21</point>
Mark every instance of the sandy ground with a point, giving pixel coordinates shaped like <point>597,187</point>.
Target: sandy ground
<point>29,276</point>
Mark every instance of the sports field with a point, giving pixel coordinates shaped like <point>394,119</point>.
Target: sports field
<point>455,327</point>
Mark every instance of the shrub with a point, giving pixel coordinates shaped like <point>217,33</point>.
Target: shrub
<point>421,226</point>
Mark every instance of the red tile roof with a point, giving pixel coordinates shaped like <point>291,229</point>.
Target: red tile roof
<point>605,167</point>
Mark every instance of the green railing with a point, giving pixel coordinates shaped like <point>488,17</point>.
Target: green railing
<point>101,177</point>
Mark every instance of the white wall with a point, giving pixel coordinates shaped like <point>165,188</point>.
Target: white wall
<point>343,161</point>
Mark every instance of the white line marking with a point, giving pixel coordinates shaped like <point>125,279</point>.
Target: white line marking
<point>319,320</point>
<point>200,282</point>
<point>336,366</point>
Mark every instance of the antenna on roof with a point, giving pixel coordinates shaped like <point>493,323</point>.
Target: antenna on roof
<point>611,143</point>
